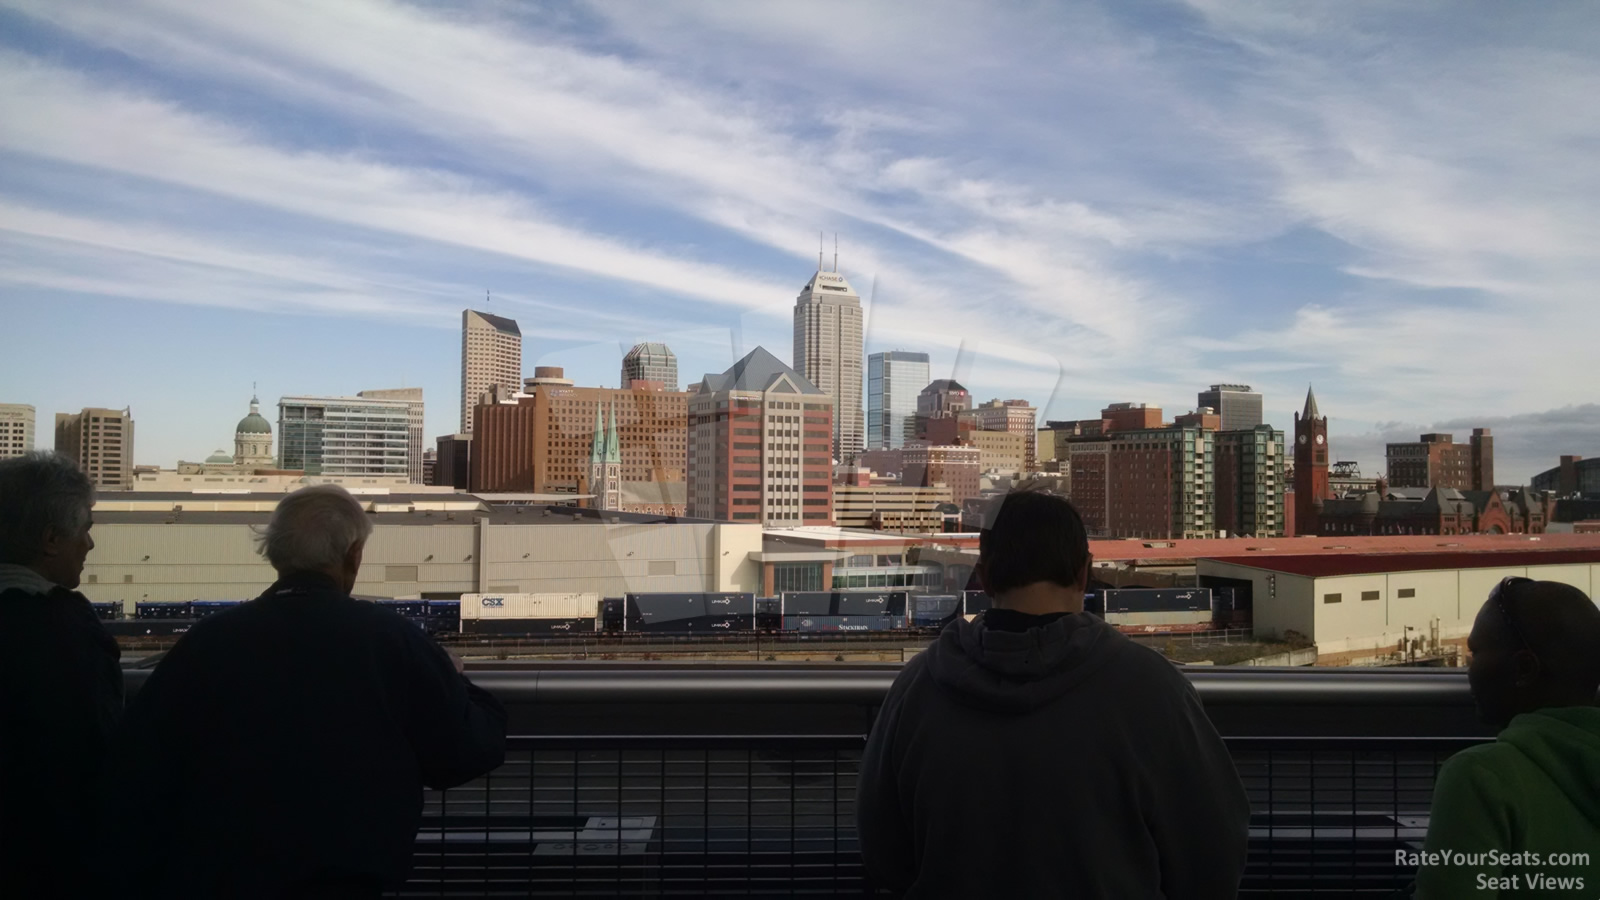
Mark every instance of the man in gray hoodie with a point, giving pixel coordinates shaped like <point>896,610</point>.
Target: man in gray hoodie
<point>1036,752</point>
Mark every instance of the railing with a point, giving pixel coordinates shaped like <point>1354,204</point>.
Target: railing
<point>653,781</point>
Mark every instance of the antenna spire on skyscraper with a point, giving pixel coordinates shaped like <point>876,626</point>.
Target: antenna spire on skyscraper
<point>819,251</point>
<point>836,251</point>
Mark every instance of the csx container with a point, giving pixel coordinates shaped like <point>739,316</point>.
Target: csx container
<point>529,606</point>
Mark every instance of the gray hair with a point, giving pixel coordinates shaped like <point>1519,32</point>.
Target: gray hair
<point>312,529</point>
<point>40,491</point>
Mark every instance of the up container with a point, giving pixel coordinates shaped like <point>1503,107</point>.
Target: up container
<point>870,603</point>
<point>199,609</point>
<point>929,610</point>
<point>556,627</point>
<point>843,624</point>
<point>1149,600</point>
<point>808,603</point>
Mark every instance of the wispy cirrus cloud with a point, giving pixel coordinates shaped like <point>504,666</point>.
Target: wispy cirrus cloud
<point>1125,202</point>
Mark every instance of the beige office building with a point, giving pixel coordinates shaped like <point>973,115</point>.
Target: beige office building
<point>890,507</point>
<point>1001,452</point>
<point>413,401</point>
<point>827,351</point>
<point>16,429</point>
<point>491,353</point>
<point>100,441</point>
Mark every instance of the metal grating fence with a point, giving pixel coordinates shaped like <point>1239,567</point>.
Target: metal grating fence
<point>649,817</point>
<point>774,817</point>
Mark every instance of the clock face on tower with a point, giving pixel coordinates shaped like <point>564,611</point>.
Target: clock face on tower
<point>1319,440</point>
<point>1302,439</point>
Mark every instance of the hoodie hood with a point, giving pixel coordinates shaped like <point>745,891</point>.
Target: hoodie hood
<point>1564,743</point>
<point>1016,672</point>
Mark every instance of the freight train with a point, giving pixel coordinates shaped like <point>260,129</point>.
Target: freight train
<point>710,614</point>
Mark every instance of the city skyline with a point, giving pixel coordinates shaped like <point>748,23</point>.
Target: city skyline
<point>201,200</point>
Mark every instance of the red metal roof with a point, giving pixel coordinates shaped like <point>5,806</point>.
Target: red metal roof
<point>1153,551</point>
<point>1348,563</point>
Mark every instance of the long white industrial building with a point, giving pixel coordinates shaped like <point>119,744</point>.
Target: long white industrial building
<point>151,547</point>
<point>1359,606</point>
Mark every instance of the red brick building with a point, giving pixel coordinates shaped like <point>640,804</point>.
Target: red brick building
<point>1436,460</point>
<point>957,468</point>
<point>539,441</point>
<point>1440,511</point>
<point>1131,416</point>
<point>760,446</point>
<point>1087,461</point>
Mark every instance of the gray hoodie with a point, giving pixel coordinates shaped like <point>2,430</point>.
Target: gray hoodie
<point>1064,761</point>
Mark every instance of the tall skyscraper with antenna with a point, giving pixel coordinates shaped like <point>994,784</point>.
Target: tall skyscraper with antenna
<point>491,353</point>
<point>828,350</point>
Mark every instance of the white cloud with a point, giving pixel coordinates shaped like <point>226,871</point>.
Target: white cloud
<point>1014,175</point>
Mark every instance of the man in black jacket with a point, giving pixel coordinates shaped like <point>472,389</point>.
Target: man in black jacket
<point>280,749</point>
<point>1036,752</point>
<point>60,685</point>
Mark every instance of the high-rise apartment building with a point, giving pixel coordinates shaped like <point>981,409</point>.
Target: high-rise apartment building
<point>1436,460</point>
<point>1159,483</point>
<point>16,429</point>
<point>1310,467</point>
<point>650,361</point>
<point>1237,404</point>
<point>827,353</point>
<point>540,439</point>
<point>412,397</point>
<point>100,441</point>
<point>1248,470</point>
<point>345,436</point>
<point>760,435</point>
<point>1014,416</point>
<point>491,353</point>
<point>895,379</point>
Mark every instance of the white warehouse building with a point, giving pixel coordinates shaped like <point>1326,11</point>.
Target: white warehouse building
<point>176,547</point>
<point>1357,607</point>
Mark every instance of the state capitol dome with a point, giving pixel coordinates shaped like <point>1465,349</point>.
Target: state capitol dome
<point>254,423</point>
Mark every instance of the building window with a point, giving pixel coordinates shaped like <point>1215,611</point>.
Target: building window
<point>1371,595</point>
<point>1407,593</point>
<point>399,573</point>
<point>1332,598</point>
<point>663,567</point>
<point>797,577</point>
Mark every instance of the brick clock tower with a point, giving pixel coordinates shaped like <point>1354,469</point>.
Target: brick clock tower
<point>1310,467</point>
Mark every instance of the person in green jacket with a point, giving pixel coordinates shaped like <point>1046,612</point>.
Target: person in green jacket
<point>1520,817</point>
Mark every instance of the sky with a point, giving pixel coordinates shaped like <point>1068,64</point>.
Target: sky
<point>1069,203</point>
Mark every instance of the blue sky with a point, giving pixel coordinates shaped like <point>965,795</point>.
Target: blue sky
<point>1088,203</point>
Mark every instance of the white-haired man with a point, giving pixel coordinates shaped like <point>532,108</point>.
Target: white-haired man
<point>60,684</point>
<point>280,749</point>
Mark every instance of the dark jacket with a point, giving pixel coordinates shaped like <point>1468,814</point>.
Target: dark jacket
<point>60,695</point>
<point>286,742</point>
<point>1060,761</point>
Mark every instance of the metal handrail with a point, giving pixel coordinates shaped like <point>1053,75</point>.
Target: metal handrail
<point>866,686</point>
